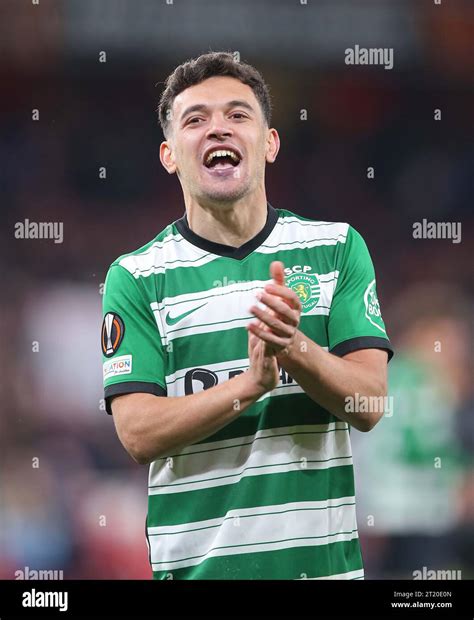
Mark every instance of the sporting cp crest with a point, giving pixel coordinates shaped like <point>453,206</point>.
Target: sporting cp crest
<point>307,287</point>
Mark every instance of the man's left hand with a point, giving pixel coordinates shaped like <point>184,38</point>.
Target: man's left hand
<point>278,324</point>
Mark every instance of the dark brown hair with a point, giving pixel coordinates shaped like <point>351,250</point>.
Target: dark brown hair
<point>209,65</point>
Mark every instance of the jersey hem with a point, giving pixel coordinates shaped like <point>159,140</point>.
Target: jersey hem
<point>363,342</point>
<point>129,387</point>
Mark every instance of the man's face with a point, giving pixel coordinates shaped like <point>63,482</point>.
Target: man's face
<point>219,141</point>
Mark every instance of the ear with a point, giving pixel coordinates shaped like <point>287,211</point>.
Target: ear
<point>167,157</point>
<point>273,145</point>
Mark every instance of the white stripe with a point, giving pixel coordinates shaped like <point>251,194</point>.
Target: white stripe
<point>353,574</point>
<point>270,451</point>
<point>291,233</point>
<point>299,245</point>
<point>219,368</point>
<point>222,370</point>
<point>333,538</point>
<point>218,304</point>
<point>305,222</point>
<point>282,390</point>
<point>255,511</point>
<point>259,435</point>
<point>255,533</point>
<point>218,292</point>
<point>224,307</point>
<point>177,387</point>
<point>320,228</point>
<point>268,469</point>
<point>175,251</point>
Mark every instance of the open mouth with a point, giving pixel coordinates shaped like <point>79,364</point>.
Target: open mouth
<point>222,159</point>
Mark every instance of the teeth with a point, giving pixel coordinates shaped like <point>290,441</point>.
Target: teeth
<point>221,154</point>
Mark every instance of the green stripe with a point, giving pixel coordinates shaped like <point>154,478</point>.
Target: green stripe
<point>252,491</point>
<point>202,349</point>
<point>245,469</point>
<point>300,562</point>
<point>274,412</point>
<point>252,440</point>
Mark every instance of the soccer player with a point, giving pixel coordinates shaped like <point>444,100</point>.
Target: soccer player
<point>232,342</point>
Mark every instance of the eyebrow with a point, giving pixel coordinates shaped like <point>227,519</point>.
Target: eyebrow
<point>200,107</point>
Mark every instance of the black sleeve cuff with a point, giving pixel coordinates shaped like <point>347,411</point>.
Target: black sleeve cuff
<point>363,342</point>
<point>129,387</point>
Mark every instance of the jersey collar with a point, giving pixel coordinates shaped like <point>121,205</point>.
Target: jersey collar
<point>227,250</point>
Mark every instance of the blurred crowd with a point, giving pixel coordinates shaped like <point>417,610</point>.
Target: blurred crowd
<point>70,497</point>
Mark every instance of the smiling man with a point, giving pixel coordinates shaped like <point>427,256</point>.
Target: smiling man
<point>233,343</point>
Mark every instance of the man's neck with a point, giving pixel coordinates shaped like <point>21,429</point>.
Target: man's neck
<point>231,225</point>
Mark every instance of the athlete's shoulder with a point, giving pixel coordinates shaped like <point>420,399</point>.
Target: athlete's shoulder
<point>133,260</point>
<point>290,216</point>
<point>312,226</point>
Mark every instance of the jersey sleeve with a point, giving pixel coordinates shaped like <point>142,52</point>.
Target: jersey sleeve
<point>355,320</point>
<point>132,354</point>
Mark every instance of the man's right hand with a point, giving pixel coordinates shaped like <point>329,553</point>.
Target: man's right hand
<point>264,368</point>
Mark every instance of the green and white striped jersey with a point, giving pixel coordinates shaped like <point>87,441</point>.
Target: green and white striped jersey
<point>271,495</point>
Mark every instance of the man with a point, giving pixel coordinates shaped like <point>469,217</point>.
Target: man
<point>243,422</point>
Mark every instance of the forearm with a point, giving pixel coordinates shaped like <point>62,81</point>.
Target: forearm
<point>163,425</point>
<point>330,380</point>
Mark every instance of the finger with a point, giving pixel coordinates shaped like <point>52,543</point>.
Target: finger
<point>282,309</point>
<point>268,337</point>
<point>273,322</point>
<point>260,324</point>
<point>270,350</point>
<point>287,294</point>
<point>277,272</point>
<point>251,334</point>
<point>252,339</point>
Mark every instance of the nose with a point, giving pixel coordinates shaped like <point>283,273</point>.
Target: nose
<point>218,129</point>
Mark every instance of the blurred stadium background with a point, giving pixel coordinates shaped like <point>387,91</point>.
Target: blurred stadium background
<point>62,468</point>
